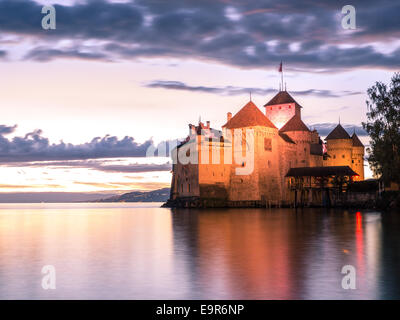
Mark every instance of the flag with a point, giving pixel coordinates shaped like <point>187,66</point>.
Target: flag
<point>324,149</point>
<point>280,67</point>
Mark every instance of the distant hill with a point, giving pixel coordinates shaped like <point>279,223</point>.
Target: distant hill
<point>52,197</point>
<point>160,195</point>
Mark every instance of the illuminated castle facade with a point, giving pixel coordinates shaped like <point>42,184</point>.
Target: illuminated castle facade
<point>284,152</point>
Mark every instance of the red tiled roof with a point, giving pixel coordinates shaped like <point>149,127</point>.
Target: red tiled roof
<point>294,124</point>
<point>356,141</point>
<point>248,116</point>
<point>282,97</point>
<point>338,133</point>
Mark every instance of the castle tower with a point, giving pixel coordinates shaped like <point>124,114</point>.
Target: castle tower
<point>263,183</point>
<point>281,108</point>
<point>357,161</point>
<point>301,135</point>
<point>340,147</point>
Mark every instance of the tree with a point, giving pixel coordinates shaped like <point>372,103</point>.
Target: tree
<point>383,127</point>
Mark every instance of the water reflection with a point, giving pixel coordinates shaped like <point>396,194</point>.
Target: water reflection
<point>277,254</point>
<point>130,251</point>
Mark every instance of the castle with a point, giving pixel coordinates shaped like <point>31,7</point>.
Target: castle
<point>289,162</point>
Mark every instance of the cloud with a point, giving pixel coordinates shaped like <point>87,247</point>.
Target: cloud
<point>90,19</point>
<point>256,35</point>
<point>231,91</point>
<point>45,54</point>
<point>126,185</point>
<point>7,129</point>
<point>36,186</point>
<point>326,93</point>
<point>99,165</point>
<point>228,90</point>
<point>325,128</point>
<point>34,147</point>
<point>134,168</point>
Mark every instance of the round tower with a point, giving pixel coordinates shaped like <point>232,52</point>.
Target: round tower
<point>340,147</point>
<point>357,162</point>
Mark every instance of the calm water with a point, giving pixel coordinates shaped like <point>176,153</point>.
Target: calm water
<point>141,251</point>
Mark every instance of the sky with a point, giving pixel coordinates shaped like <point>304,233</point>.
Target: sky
<point>81,104</point>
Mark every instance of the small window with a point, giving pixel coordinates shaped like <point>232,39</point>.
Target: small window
<point>343,156</point>
<point>269,164</point>
<point>352,161</point>
<point>267,144</point>
<point>334,156</point>
<point>189,187</point>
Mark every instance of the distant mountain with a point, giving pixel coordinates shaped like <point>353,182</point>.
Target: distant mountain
<point>160,195</point>
<point>52,197</point>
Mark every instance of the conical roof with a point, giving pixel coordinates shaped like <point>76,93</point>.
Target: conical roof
<point>294,124</point>
<point>248,116</point>
<point>338,133</point>
<point>282,97</point>
<point>356,141</point>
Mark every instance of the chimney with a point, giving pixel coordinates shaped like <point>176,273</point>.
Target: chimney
<point>229,116</point>
<point>208,125</point>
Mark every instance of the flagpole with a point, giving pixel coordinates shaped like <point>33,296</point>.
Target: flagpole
<point>282,76</point>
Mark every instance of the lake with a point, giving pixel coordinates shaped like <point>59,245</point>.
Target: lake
<point>142,251</point>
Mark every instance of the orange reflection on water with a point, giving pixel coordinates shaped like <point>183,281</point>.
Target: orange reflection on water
<point>359,222</point>
<point>359,243</point>
<point>253,251</point>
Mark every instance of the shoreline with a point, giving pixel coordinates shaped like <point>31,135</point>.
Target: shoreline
<point>350,200</point>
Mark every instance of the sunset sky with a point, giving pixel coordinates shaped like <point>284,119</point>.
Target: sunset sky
<point>81,104</point>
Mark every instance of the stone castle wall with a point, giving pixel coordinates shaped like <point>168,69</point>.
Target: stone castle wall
<point>218,183</point>
<point>358,162</point>
<point>340,152</point>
